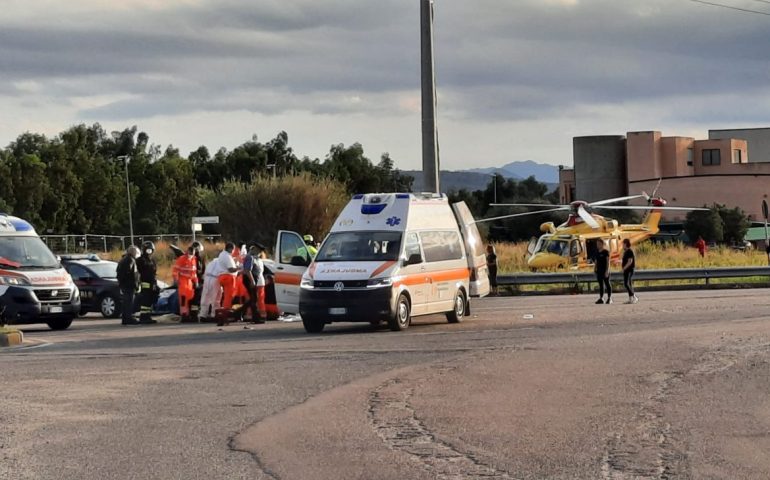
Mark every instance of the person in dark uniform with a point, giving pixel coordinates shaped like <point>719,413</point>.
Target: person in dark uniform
<point>195,306</point>
<point>148,272</point>
<point>629,265</point>
<point>492,268</point>
<point>128,281</point>
<point>602,270</point>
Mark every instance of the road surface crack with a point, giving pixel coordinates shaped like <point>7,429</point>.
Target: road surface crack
<point>394,419</point>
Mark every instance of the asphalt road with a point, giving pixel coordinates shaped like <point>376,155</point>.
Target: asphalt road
<point>528,387</point>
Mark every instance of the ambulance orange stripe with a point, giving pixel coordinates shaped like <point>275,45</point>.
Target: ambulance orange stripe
<point>382,268</point>
<point>288,278</point>
<point>435,277</point>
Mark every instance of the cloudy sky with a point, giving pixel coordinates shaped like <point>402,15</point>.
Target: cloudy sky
<point>517,79</point>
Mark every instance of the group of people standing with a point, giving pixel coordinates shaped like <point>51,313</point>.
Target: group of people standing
<point>602,270</point>
<point>237,275</point>
<point>137,275</point>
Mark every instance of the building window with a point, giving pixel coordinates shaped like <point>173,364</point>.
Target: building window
<point>711,157</point>
<point>736,156</point>
<point>690,156</point>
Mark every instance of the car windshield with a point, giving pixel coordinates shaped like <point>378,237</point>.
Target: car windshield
<point>552,245</point>
<point>26,252</point>
<point>360,246</point>
<point>105,270</point>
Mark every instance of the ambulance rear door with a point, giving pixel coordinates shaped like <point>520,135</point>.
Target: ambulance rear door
<point>291,261</point>
<point>474,249</point>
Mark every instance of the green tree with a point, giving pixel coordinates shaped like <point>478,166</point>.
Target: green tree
<point>735,224</point>
<point>704,223</point>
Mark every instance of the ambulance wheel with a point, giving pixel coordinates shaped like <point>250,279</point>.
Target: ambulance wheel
<point>457,314</point>
<point>313,325</point>
<point>60,323</point>
<point>402,318</point>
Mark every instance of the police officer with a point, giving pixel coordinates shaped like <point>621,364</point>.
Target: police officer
<point>128,281</point>
<point>148,276</point>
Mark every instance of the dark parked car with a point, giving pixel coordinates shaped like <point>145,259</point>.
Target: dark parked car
<point>98,283</point>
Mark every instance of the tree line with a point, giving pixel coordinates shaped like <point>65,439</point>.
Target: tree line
<point>75,182</point>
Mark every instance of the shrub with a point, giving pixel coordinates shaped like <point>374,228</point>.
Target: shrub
<point>258,210</point>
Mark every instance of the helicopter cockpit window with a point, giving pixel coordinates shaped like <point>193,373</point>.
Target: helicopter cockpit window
<point>553,246</point>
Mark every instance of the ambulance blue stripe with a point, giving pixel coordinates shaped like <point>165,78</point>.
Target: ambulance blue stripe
<point>358,196</point>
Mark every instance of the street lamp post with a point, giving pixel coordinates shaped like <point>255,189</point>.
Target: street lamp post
<point>128,196</point>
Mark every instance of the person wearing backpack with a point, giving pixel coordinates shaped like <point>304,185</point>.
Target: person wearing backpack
<point>128,281</point>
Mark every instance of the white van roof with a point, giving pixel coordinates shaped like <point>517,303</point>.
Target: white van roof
<point>396,212</point>
<point>15,226</point>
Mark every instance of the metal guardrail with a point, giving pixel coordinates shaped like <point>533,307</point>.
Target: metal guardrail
<point>575,278</point>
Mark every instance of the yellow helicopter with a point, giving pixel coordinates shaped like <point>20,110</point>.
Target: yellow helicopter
<point>573,243</point>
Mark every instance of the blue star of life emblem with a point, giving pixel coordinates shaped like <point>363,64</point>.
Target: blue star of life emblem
<point>393,221</point>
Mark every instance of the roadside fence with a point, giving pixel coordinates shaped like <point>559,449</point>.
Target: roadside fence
<point>106,243</point>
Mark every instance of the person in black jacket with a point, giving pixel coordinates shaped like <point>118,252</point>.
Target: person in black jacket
<point>148,271</point>
<point>128,281</point>
<point>629,265</point>
<point>602,270</point>
<point>195,306</point>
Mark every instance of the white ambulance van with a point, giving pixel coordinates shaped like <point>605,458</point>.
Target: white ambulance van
<point>388,257</point>
<point>34,288</point>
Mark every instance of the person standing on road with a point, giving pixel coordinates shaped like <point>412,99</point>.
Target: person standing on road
<point>254,281</point>
<point>629,265</point>
<point>492,268</point>
<point>128,281</point>
<point>148,274</point>
<point>602,270</point>
<point>700,244</point>
<point>228,271</point>
<point>200,268</point>
<point>185,274</point>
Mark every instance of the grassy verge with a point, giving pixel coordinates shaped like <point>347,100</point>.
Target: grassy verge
<point>512,257</point>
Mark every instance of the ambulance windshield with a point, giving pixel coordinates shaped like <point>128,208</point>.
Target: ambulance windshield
<point>25,252</point>
<point>360,246</point>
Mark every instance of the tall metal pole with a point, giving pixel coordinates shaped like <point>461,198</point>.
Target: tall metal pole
<point>128,196</point>
<point>430,160</point>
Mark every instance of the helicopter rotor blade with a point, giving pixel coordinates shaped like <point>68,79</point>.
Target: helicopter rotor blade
<point>536,205</point>
<point>588,218</point>
<point>655,191</point>
<point>627,207</point>
<point>503,217</point>
<point>615,200</point>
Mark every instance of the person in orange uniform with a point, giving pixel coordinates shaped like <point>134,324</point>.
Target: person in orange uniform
<point>186,276</point>
<point>227,277</point>
<point>241,293</point>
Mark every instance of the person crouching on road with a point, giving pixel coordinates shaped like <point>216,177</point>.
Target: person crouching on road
<point>185,274</point>
<point>148,272</point>
<point>629,265</point>
<point>128,281</point>
<point>228,271</point>
<point>602,270</point>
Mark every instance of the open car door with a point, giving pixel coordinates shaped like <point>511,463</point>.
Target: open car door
<point>291,260</point>
<point>474,248</point>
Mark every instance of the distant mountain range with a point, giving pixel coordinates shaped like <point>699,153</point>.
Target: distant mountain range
<point>478,178</point>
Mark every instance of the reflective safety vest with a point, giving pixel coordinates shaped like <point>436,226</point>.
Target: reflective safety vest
<point>186,268</point>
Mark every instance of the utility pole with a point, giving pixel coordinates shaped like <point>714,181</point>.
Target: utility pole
<point>430,160</point>
<point>128,195</point>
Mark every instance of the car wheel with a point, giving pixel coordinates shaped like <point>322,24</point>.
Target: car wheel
<point>402,317</point>
<point>458,312</point>
<point>313,325</point>
<point>108,306</point>
<point>60,324</point>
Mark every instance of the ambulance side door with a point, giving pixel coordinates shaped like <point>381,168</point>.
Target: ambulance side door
<point>291,261</point>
